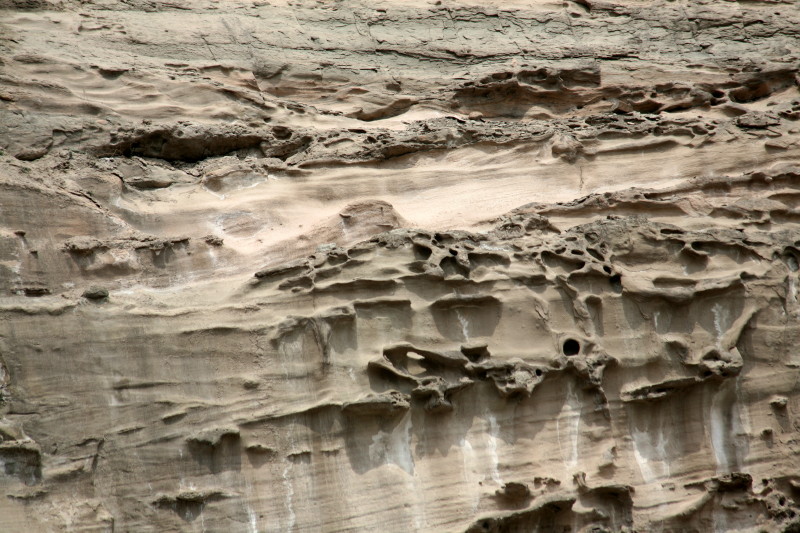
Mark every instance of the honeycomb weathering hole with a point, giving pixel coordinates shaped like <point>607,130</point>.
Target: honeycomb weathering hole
<point>571,347</point>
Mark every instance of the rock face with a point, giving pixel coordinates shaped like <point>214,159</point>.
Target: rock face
<point>407,266</point>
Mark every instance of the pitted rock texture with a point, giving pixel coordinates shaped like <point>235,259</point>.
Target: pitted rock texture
<point>419,266</point>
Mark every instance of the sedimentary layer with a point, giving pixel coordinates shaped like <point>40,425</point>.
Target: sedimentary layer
<point>424,266</point>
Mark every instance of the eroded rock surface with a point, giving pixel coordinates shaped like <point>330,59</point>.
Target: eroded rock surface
<point>422,266</point>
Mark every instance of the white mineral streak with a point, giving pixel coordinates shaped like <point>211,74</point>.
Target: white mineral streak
<point>313,266</point>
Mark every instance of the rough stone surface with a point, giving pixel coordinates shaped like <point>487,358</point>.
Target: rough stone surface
<point>401,266</point>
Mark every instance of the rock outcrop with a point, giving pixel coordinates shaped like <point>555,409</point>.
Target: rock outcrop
<point>417,266</point>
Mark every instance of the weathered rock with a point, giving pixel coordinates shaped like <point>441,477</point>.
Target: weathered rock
<point>417,266</point>
<point>95,293</point>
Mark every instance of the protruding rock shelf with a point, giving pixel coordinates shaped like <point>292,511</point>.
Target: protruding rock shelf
<point>271,266</point>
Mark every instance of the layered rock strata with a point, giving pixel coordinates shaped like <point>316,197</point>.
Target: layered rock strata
<point>430,266</point>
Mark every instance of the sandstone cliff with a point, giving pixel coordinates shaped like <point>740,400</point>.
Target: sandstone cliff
<point>401,266</point>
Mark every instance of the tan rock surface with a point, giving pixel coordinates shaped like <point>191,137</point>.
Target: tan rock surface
<point>410,266</point>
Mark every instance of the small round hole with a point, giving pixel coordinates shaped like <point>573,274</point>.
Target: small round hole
<point>571,347</point>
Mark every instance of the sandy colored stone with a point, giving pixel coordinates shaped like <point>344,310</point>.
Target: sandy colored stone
<point>417,266</point>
